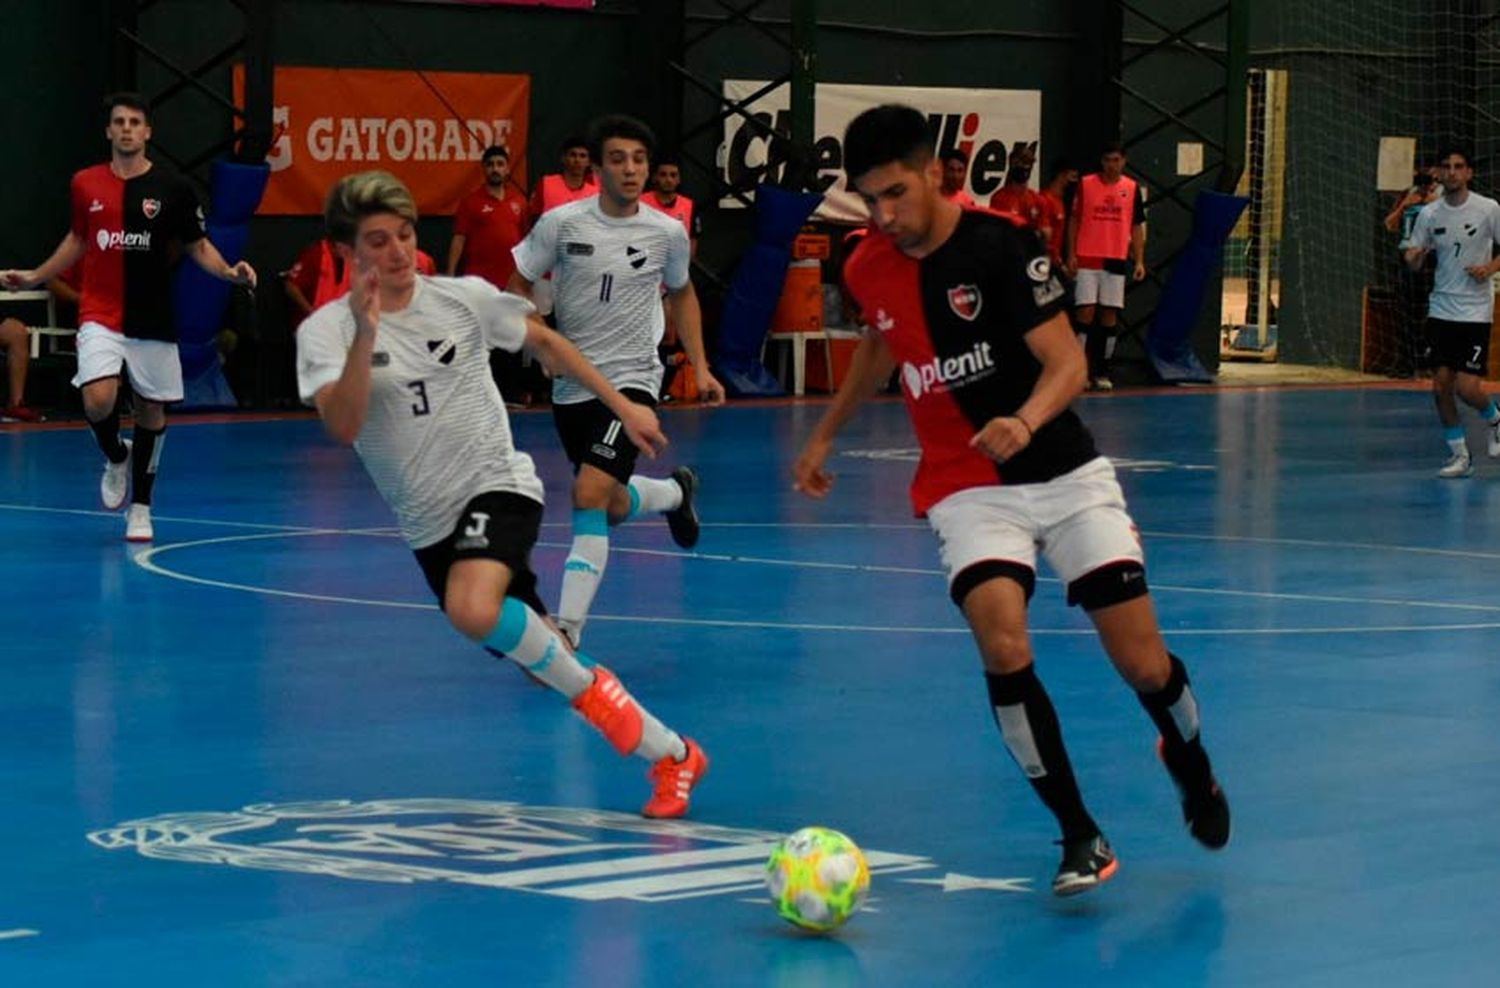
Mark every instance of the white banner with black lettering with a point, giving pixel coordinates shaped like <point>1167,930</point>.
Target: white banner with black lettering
<point>984,123</point>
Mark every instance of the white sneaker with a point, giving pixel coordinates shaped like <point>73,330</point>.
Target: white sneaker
<point>138,524</point>
<point>115,483</point>
<point>1458,465</point>
<point>1493,446</point>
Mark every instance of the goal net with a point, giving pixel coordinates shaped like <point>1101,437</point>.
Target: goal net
<point>1349,105</point>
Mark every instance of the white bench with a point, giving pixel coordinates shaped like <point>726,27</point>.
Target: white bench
<point>51,329</point>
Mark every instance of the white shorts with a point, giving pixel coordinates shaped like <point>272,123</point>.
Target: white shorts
<point>1078,520</point>
<point>1095,286</point>
<point>154,368</point>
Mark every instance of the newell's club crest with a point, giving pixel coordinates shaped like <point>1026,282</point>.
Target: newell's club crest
<point>965,301</point>
<point>583,854</point>
<point>442,351</point>
<point>150,207</point>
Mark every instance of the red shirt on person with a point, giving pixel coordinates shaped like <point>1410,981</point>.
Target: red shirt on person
<point>1022,202</point>
<point>490,228</point>
<point>956,323</point>
<point>130,230</point>
<point>321,275</point>
<point>553,191</point>
<point>681,208</point>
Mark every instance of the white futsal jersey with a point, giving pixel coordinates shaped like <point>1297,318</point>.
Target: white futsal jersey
<point>607,274</point>
<point>436,434</point>
<point>1460,237</point>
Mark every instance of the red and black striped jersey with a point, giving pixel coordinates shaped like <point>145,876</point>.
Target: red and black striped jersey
<point>131,230</point>
<point>956,323</point>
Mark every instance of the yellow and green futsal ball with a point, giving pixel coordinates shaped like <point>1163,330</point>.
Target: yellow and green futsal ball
<point>818,878</point>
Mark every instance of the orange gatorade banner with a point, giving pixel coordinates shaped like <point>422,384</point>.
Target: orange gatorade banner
<point>429,129</point>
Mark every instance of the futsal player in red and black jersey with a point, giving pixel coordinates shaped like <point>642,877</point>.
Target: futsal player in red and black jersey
<point>131,219</point>
<point>967,305</point>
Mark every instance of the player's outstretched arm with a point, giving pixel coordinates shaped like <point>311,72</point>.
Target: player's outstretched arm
<point>869,368</point>
<point>63,258</point>
<point>344,403</point>
<point>207,257</point>
<point>687,316</point>
<point>519,285</point>
<point>561,357</point>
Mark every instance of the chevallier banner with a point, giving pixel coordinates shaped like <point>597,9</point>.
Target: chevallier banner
<point>331,122</point>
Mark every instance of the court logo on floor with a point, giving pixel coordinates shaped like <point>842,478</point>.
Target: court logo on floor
<point>576,853</point>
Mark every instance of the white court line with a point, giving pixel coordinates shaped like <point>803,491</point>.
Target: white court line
<point>146,560</point>
<point>1185,536</point>
<point>18,934</point>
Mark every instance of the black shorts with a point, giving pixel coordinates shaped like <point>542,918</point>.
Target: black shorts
<point>591,434</point>
<point>1460,346</point>
<point>498,525</point>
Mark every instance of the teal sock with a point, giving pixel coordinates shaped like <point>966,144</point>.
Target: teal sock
<point>524,637</point>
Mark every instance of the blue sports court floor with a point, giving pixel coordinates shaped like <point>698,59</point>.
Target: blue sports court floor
<point>254,755</point>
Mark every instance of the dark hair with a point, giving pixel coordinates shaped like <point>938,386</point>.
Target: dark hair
<point>129,99</point>
<point>495,151</point>
<point>953,154</point>
<point>885,134</point>
<point>572,141</point>
<point>1059,166</point>
<point>1113,147</point>
<point>666,158</point>
<point>1453,149</point>
<point>618,125</point>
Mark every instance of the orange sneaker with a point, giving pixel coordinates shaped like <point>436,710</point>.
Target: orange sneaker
<point>607,706</point>
<point>675,781</point>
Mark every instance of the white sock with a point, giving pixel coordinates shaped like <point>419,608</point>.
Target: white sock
<point>1109,346</point>
<point>525,638</point>
<point>1460,447</point>
<point>650,494</point>
<point>583,570</point>
<point>657,742</point>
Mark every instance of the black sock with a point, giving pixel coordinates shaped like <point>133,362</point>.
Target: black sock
<point>1093,348</point>
<point>107,435</point>
<point>1027,722</point>
<point>1174,711</point>
<point>143,462</point>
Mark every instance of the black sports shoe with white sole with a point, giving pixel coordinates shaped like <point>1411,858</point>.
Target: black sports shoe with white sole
<point>1086,864</point>
<point>683,519</point>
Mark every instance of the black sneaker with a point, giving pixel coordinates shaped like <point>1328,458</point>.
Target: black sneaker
<point>683,519</point>
<point>1204,808</point>
<point>1086,863</point>
<point>1207,816</point>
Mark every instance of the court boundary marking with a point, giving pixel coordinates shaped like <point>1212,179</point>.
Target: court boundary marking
<point>147,561</point>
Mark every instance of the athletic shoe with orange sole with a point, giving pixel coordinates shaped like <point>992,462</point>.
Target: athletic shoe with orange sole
<point>675,781</point>
<point>1087,863</point>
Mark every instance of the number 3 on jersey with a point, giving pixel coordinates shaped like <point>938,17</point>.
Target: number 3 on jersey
<point>420,406</point>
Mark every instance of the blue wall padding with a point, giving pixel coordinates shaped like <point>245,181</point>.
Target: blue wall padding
<point>756,288</point>
<point>198,298</point>
<point>1170,343</point>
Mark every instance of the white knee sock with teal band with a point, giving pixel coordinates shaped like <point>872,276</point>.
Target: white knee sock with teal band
<point>1491,413</point>
<point>650,495</point>
<point>525,638</point>
<point>583,570</point>
<point>1454,434</point>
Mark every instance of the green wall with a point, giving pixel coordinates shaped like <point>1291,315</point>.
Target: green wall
<point>581,64</point>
